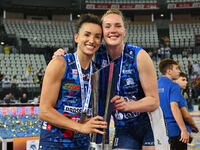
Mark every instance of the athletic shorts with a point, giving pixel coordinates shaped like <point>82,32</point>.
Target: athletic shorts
<point>43,146</point>
<point>134,137</point>
<point>176,144</point>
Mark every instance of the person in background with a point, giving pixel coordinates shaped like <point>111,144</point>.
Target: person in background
<point>65,105</point>
<point>190,124</point>
<point>14,82</point>
<point>5,83</point>
<point>29,73</point>
<point>195,67</point>
<point>24,98</point>
<point>39,76</point>
<point>1,76</point>
<point>190,69</point>
<point>9,98</point>
<point>7,49</point>
<point>171,101</point>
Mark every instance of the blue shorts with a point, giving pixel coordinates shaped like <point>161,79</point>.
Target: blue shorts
<point>59,146</point>
<point>134,137</point>
<point>46,147</point>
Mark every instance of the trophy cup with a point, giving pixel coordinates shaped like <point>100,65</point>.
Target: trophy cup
<point>104,83</point>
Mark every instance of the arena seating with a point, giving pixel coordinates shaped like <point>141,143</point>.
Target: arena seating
<point>144,35</point>
<point>16,64</point>
<point>183,34</point>
<point>41,34</point>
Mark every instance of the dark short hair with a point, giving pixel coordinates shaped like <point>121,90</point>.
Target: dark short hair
<point>182,74</point>
<point>166,64</point>
<point>87,18</point>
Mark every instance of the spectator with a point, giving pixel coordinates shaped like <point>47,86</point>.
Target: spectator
<point>1,76</point>
<point>1,48</point>
<point>191,96</point>
<point>6,49</point>
<point>197,80</point>
<point>24,85</point>
<point>9,98</point>
<point>195,67</point>
<point>24,98</point>
<point>184,53</point>
<point>5,83</point>
<point>193,76</point>
<point>36,100</point>
<point>40,75</point>
<point>14,82</point>
<point>190,69</point>
<point>167,51</point>
<point>161,52</point>
<point>189,51</point>
<point>29,72</point>
<point>13,49</point>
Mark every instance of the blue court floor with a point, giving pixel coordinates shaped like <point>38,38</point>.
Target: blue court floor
<point>195,145</point>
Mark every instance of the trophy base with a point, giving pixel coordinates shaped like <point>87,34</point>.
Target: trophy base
<point>94,146</point>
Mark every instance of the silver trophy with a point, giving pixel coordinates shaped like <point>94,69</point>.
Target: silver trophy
<point>104,83</point>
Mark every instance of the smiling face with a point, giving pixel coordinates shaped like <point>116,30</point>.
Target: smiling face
<point>89,38</point>
<point>113,30</point>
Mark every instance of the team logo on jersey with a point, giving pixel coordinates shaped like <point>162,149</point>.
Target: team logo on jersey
<point>75,73</point>
<point>46,126</point>
<point>119,116</point>
<point>71,86</point>
<point>104,63</point>
<point>129,81</point>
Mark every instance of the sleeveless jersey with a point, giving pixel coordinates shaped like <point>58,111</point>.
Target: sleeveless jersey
<point>69,104</point>
<point>130,85</point>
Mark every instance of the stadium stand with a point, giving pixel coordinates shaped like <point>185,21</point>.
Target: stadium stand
<point>16,64</point>
<point>183,33</point>
<point>143,34</point>
<point>41,34</point>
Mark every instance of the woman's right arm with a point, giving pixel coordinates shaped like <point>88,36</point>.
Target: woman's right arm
<point>50,91</point>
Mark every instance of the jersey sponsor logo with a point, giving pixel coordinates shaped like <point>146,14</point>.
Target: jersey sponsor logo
<point>71,86</point>
<point>69,98</point>
<point>127,71</point>
<point>161,90</point>
<point>86,75</point>
<point>77,110</point>
<point>127,115</point>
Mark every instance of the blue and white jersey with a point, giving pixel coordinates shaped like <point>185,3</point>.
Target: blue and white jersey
<point>69,104</point>
<point>130,85</point>
<point>170,91</point>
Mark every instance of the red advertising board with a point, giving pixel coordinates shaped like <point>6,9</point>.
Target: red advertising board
<point>183,5</point>
<point>122,6</point>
